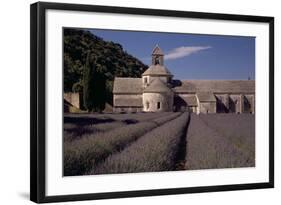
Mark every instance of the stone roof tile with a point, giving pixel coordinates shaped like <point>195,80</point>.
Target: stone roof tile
<point>127,86</point>
<point>216,86</point>
<point>157,70</point>
<point>157,86</point>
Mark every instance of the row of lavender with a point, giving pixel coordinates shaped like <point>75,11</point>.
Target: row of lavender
<point>155,151</point>
<point>159,142</point>
<point>220,141</point>
<point>83,154</point>
<point>79,125</point>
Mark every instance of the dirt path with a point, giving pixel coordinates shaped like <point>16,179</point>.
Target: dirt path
<point>180,157</point>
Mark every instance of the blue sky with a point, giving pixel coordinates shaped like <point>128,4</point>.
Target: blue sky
<point>191,56</point>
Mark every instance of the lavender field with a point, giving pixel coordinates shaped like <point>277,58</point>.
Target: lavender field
<point>220,141</point>
<point>148,142</point>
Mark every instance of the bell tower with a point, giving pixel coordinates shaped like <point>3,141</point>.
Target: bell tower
<point>157,56</point>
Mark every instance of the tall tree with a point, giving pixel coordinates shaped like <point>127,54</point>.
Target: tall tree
<point>94,85</point>
<point>88,83</point>
<point>99,89</point>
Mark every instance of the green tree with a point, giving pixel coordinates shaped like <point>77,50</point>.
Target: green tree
<point>94,85</point>
<point>88,83</point>
<point>99,90</point>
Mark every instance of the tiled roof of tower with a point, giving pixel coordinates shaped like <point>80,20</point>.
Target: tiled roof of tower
<point>157,51</point>
<point>157,86</point>
<point>127,86</point>
<point>216,86</point>
<point>157,70</point>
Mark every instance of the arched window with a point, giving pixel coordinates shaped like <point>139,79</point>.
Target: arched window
<point>157,61</point>
<point>145,80</point>
<point>158,105</point>
<point>147,105</point>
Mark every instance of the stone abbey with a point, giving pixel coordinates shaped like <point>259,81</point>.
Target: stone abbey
<point>157,91</point>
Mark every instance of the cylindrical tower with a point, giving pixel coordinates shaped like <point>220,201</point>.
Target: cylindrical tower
<point>157,97</point>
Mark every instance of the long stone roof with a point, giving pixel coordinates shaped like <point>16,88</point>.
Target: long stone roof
<point>157,70</point>
<point>134,86</point>
<point>127,86</point>
<point>216,86</point>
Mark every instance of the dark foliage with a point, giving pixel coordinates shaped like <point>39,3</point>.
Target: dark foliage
<point>111,60</point>
<point>93,86</point>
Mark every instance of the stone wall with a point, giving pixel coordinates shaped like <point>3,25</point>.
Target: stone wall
<point>185,102</point>
<point>127,100</point>
<point>157,102</point>
<point>249,104</point>
<point>192,109</point>
<point>127,109</point>
<point>222,103</point>
<point>128,103</point>
<point>235,103</point>
<point>207,107</point>
<point>72,98</point>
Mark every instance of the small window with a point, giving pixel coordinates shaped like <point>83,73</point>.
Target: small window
<point>157,60</point>
<point>145,80</point>
<point>169,79</point>
<point>147,105</point>
<point>158,105</point>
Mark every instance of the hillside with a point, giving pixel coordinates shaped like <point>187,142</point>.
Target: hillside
<point>112,60</point>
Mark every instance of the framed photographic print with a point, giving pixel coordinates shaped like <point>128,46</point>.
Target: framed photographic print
<point>129,102</point>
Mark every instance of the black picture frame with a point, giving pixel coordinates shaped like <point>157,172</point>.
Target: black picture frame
<point>38,101</point>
